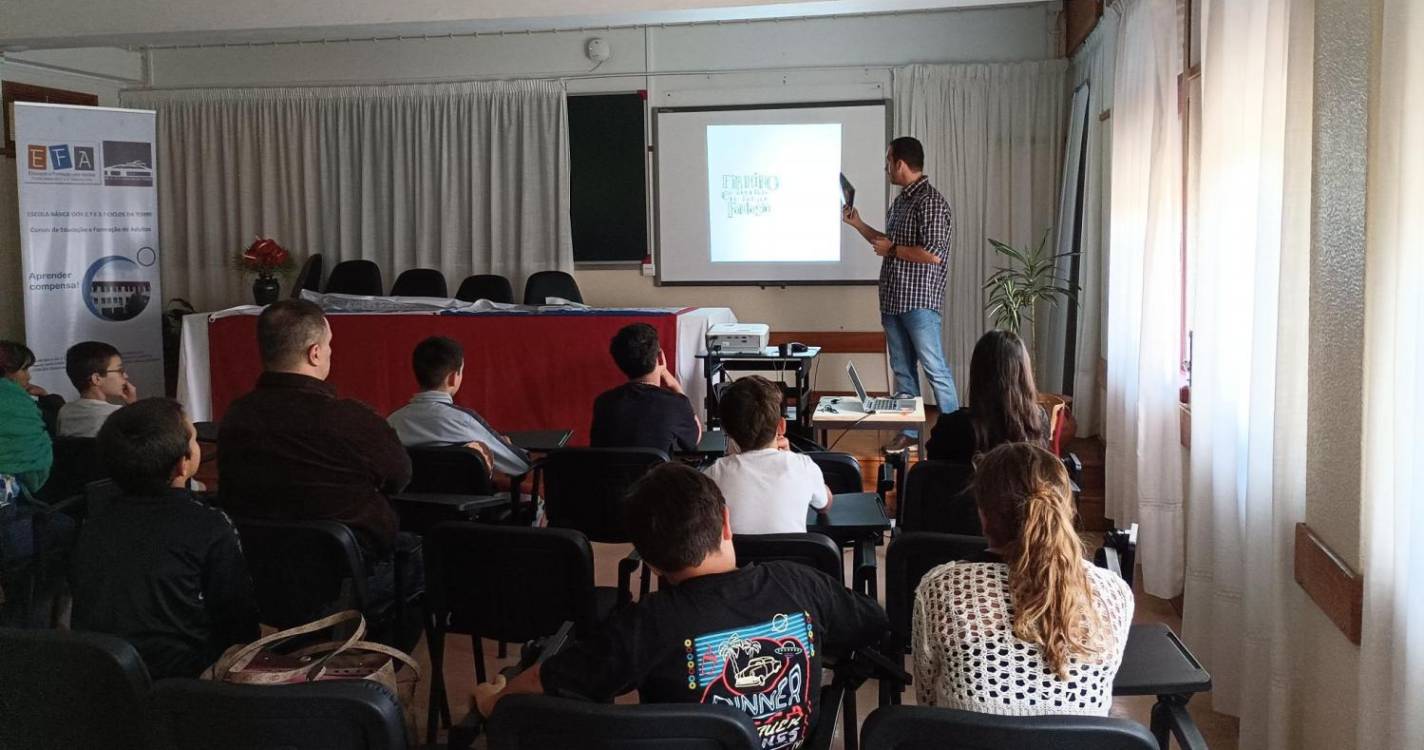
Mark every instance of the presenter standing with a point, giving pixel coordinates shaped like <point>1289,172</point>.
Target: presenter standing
<point>915,252</point>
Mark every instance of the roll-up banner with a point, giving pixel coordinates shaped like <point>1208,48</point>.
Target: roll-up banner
<point>89,238</point>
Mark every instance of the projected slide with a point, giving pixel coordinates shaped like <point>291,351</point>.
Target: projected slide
<point>773,193</point>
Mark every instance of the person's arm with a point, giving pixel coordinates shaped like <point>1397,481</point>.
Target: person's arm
<point>925,653</point>
<point>488,694</point>
<point>852,217</point>
<point>687,430</point>
<point>934,227</point>
<point>848,618</point>
<point>227,590</point>
<point>380,447</point>
<point>820,491</point>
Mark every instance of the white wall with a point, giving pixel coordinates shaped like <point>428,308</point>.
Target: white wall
<point>94,71</point>
<point>822,59</point>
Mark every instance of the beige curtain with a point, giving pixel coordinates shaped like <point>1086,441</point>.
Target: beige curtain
<point>993,136</point>
<point>1249,369</point>
<point>1392,646</point>
<point>1144,453</point>
<point>466,178</point>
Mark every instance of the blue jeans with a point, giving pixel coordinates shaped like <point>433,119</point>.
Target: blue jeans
<point>914,338</point>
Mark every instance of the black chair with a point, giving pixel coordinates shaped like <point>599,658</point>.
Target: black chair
<point>509,583</point>
<point>309,278</point>
<point>807,548</point>
<point>841,470</point>
<point>927,728</point>
<point>66,690</point>
<point>938,498</point>
<point>420,282</point>
<point>448,483</point>
<point>328,715</point>
<point>910,556</point>
<point>304,570</point>
<point>545,284</point>
<point>583,490</point>
<point>356,277</point>
<point>539,722</point>
<point>76,464</point>
<point>488,286</point>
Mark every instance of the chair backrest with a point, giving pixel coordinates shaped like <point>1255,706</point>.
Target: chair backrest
<point>453,469</point>
<point>510,583</point>
<point>807,548</point>
<point>64,690</point>
<point>910,556</point>
<point>328,715</point>
<point>420,282</point>
<point>523,722</point>
<point>302,570</point>
<point>546,284</point>
<point>928,728</point>
<point>76,463</point>
<point>841,470</point>
<point>309,277</point>
<point>356,277</point>
<point>584,487</point>
<point>937,498</point>
<point>492,287</point>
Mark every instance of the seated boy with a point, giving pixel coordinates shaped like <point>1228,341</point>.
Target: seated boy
<point>97,372</point>
<point>159,567</point>
<point>432,418</point>
<point>756,634</point>
<point>650,410</point>
<point>767,487</point>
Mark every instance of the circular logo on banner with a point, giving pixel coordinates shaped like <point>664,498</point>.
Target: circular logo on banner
<point>115,289</point>
<point>146,256</point>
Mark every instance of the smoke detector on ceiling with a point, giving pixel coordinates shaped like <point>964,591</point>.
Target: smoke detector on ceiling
<point>598,50</point>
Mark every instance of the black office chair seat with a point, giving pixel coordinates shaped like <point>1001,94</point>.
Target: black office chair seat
<point>938,498</point>
<point>540,722</point>
<point>841,471</point>
<point>929,728</point>
<point>355,277</point>
<point>61,690</point>
<point>488,286</point>
<point>545,284</point>
<point>356,714</point>
<point>808,548</point>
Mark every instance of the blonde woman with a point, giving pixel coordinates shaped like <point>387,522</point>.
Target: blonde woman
<point>1035,628</point>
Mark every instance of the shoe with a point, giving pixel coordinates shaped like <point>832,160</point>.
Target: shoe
<point>900,443</point>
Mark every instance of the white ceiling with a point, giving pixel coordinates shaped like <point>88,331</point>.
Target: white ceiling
<point>38,24</point>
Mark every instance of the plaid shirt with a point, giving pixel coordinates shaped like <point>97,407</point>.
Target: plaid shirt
<point>919,217</point>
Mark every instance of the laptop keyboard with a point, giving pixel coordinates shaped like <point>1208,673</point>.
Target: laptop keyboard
<point>885,404</point>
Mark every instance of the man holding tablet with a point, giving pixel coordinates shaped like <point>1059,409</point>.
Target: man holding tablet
<point>915,252</point>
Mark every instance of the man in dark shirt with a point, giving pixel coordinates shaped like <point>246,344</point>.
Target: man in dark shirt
<point>292,450</point>
<point>650,410</point>
<point>159,567</point>
<point>751,638</point>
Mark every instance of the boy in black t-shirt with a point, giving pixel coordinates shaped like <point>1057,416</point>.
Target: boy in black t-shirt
<point>751,638</point>
<point>650,410</point>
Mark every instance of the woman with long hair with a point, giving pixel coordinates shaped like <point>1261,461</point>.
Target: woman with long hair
<point>1003,403</point>
<point>1033,628</point>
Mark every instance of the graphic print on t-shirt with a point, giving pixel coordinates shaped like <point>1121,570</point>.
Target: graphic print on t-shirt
<point>763,670</point>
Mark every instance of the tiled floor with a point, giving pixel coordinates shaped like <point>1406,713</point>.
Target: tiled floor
<point>1220,731</point>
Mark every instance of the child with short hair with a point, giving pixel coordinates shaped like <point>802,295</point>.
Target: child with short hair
<point>768,488</point>
<point>97,372</point>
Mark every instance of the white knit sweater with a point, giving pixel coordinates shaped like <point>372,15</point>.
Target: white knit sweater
<point>967,657</point>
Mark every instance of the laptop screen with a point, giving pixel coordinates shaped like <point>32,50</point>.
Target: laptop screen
<point>855,381</point>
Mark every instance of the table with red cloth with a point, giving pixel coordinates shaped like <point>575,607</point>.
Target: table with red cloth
<point>523,370</point>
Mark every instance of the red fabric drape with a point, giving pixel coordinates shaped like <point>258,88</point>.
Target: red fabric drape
<point>522,372</point>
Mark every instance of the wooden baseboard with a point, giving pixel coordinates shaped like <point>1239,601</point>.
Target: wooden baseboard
<point>1329,582</point>
<point>835,342</point>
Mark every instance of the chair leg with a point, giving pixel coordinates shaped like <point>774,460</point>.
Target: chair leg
<point>479,647</point>
<point>439,705</point>
<point>849,740</point>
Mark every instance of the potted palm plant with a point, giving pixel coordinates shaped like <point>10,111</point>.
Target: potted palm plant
<point>1013,293</point>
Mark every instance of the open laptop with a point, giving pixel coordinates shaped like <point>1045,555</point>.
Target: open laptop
<point>872,405</point>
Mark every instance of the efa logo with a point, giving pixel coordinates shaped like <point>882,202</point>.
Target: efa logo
<point>61,157</point>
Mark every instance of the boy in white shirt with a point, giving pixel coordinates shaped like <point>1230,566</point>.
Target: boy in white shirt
<point>768,488</point>
<point>97,372</point>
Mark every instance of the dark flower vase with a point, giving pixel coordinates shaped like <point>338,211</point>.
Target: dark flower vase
<point>265,290</point>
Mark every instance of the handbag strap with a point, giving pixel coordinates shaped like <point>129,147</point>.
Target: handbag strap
<point>243,657</point>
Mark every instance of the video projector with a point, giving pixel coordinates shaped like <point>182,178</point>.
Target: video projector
<point>738,338</point>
